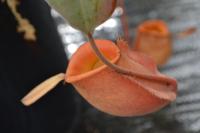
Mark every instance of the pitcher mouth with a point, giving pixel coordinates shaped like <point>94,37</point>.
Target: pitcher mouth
<point>154,27</point>
<point>84,62</point>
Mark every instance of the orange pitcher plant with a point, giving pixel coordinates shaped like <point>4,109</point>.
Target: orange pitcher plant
<point>154,39</point>
<point>113,78</point>
<point>145,91</point>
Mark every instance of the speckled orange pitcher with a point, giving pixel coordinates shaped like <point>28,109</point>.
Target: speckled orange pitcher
<point>115,93</point>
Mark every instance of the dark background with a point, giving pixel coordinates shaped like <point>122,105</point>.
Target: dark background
<point>25,64</point>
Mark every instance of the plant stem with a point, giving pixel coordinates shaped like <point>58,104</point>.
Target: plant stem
<point>124,21</point>
<point>122,70</point>
<point>102,57</point>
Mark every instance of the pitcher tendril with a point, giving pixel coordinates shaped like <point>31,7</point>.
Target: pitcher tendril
<point>122,70</point>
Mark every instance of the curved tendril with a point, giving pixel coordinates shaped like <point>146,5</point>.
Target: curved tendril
<point>123,71</point>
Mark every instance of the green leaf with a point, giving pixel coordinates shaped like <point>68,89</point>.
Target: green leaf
<point>84,15</point>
